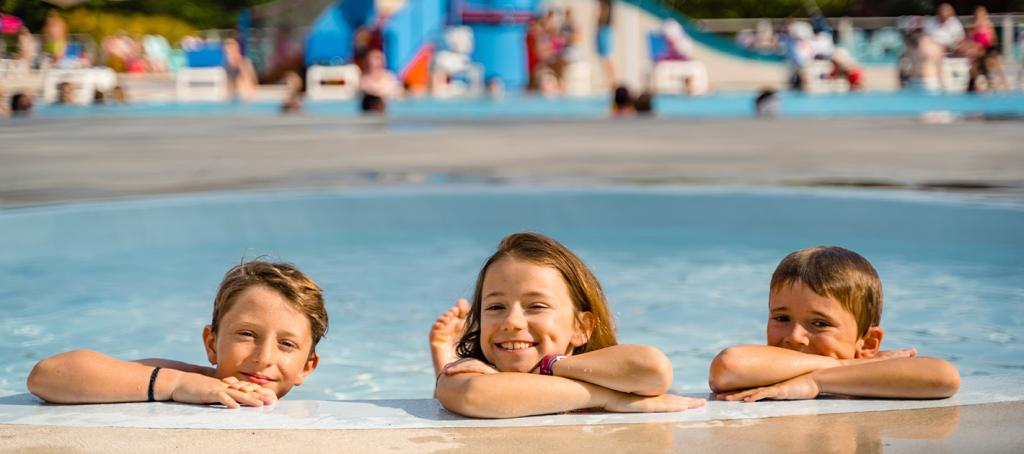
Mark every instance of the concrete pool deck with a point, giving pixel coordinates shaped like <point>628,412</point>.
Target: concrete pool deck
<point>62,160</point>
<point>981,417</point>
<point>57,160</point>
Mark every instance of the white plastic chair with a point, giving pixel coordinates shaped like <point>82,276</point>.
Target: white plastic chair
<point>202,84</point>
<point>84,83</point>
<point>332,82</point>
<point>955,74</point>
<point>670,77</point>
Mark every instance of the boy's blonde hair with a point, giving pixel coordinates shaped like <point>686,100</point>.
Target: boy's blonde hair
<point>298,289</point>
<point>837,273</point>
<point>584,289</point>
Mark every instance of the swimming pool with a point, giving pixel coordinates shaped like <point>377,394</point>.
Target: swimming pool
<point>721,105</point>
<point>685,269</point>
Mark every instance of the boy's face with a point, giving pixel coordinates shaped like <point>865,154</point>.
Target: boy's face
<point>803,321</point>
<point>264,340</point>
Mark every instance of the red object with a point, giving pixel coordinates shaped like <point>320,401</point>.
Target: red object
<point>854,76</point>
<point>9,25</point>
<point>417,74</point>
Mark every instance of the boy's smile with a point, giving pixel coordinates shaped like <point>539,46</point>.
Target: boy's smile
<point>262,339</point>
<point>804,321</point>
<point>526,314</point>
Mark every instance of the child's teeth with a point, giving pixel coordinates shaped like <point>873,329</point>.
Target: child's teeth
<point>515,345</point>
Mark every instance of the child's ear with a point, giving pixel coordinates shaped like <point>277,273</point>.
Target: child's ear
<point>869,345</point>
<point>210,342</point>
<point>308,368</point>
<point>584,328</point>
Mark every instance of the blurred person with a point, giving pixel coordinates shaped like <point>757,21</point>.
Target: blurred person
<point>623,104</point>
<point>921,61</point>
<point>644,104</point>
<point>767,103</point>
<point>378,80</point>
<point>293,101</point>
<point>799,51</point>
<point>533,58</point>
<point>845,67</point>
<point>570,37</point>
<point>21,104</point>
<point>98,98</point>
<point>119,95</point>
<point>55,36</point>
<point>366,39</point>
<point>495,88</point>
<point>27,48</point>
<point>604,38</point>
<point>944,28</point>
<point>65,93</point>
<point>242,78</point>
<point>680,45</point>
<point>987,73</point>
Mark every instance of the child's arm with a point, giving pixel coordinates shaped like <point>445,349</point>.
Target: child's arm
<point>635,369</point>
<point>84,376</point>
<point>514,394</point>
<point>906,378</point>
<point>751,366</point>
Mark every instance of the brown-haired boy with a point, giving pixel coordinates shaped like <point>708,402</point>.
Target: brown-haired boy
<point>825,304</point>
<point>267,320</point>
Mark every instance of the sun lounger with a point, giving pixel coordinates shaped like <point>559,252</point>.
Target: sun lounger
<point>332,82</point>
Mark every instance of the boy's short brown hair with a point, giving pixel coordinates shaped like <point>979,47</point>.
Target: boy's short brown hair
<point>837,273</point>
<point>297,288</point>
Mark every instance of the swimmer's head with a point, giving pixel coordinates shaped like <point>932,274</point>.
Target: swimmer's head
<point>534,298</point>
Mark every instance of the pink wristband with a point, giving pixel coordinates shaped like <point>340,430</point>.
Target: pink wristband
<point>547,364</point>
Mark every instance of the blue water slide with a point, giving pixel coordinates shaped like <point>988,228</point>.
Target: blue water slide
<point>407,31</point>
<point>662,10</point>
<point>330,39</point>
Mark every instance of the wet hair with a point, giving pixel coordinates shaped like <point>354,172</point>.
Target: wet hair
<point>622,99</point>
<point>645,103</point>
<point>837,273</point>
<point>371,103</point>
<point>584,289</point>
<point>298,289</point>
<point>21,103</point>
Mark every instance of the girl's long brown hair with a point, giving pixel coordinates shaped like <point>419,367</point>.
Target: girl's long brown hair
<point>584,289</point>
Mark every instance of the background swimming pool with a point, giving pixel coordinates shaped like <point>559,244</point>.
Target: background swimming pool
<point>686,270</point>
<point>719,105</point>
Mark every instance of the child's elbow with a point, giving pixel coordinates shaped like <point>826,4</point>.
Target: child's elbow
<point>464,398</point>
<point>656,370</point>
<point>947,380</point>
<point>722,373</point>
<point>44,379</point>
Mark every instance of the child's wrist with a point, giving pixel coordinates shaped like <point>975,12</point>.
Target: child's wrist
<point>167,381</point>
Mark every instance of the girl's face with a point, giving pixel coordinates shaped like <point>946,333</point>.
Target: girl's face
<point>526,313</point>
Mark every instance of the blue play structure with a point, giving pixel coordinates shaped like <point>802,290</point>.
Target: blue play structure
<point>499,33</point>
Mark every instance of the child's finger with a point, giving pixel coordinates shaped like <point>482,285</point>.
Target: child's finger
<point>245,398</point>
<point>229,380</point>
<point>268,396</point>
<point>226,400</point>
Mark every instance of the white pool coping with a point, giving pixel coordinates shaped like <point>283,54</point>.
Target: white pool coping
<point>427,413</point>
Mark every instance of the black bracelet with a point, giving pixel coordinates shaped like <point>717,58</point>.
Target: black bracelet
<point>152,382</point>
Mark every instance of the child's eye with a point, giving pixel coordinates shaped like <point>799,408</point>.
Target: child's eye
<point>289,345</point>
<point>538,306</point>
<point>781,318</point>
<point>494,307</point>
<point>246,333</point>
<point>821,324</point>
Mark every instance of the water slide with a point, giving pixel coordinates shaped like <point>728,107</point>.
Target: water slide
<point>411,34</point>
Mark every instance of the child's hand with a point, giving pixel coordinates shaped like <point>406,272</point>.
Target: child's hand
<point>882,356</point>
<point>197,389</point>
<point>266,395</point>
<point>632,403</point>
<point>796,388</point>
<point>469,366</point>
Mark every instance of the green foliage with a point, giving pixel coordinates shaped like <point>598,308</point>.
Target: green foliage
<point>758,8</point>
<point>202,14</point>
<point>100,25</point>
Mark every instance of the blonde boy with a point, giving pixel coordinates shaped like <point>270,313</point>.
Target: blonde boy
<point>825,304</point>
<point>267,320</point>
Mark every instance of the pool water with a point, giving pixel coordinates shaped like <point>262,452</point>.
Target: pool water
<point>721,105</point>
<point>686,270</point>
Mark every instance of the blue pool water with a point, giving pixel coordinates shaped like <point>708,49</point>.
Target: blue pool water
<point>723,105</point>
<point>686,270</point>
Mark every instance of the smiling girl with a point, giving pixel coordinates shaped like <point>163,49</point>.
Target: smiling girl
<point>538,338</point>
